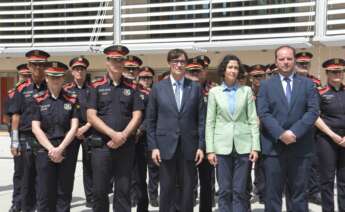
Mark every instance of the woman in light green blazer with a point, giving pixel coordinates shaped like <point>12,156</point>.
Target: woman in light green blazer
<point>232,135</point>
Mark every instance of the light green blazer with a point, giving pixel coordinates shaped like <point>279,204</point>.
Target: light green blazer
<point>224,130</point>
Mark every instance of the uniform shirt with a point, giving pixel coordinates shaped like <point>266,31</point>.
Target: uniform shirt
<point>81,93</point>
<point>55,114</point>
<point>114,104</point>
<point>23,100</point>
<point>332,106</point>
<point>144,95</point>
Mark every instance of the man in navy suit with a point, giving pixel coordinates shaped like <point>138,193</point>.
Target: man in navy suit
<point>287,108</point>
<point>175,133</point>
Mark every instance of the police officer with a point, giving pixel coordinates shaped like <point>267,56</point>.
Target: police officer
<point>54,123</point>
<point>331,135</point>
<point>271,69</point>
<point>303,64</point>
<point>23,74</point>
<point>21,124</point>
<point>131,65</point>
<point>79,87</point>
<point>145,81</point>
<point>197,70</point>
<point>257,73</point>
<point>114,111</point>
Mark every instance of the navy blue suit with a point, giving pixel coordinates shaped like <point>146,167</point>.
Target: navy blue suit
<point>178,135</point>
<point>287,163</point>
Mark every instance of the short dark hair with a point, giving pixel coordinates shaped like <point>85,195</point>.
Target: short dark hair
<point>176,53</point>
<point>222,66</point>
<point>282,47</point>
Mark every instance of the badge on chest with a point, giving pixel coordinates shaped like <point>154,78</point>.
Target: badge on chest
<point>45,107</point>
<point>67,106</point>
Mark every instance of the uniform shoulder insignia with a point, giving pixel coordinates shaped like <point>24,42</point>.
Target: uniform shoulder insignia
<point>323,90</point>
<point>40,96</point>
<point>10,93</point>
<point>97,82</point>
<point>22,84</point>
<point>72,98</point>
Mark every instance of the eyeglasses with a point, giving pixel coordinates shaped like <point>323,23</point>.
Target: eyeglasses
<point>259,76</point>
<point>194,71</point>
<point>336,72</point>
<point>145,78</point>
<point>43,64</point>
<point>181,62</point>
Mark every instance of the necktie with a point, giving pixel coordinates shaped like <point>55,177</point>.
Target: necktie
<point>288,89</point>
<point>178,94</point>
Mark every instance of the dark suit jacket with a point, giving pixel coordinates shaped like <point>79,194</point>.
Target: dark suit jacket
<point>166,125</point>
<point>276,115</point>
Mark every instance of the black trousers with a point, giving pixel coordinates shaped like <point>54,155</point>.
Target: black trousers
<point>28,186</point>
<point>259,180</point>
<point>206,170</point>
<point>139,185</point>
<point>55,181</point>
<point>332,164</point>
<point>87,171</point>
<point>17,180</point>
<point>282,169</point>
<point>153,171</point>
<point>108,163</point>
<point>232,176</point>
<point>177,171</point>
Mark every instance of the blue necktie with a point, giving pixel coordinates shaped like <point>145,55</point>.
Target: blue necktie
<point>288,89</point>
<point>177,94</point>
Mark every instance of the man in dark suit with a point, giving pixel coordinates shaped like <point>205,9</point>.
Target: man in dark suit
<point>287,108</point>
<point>175,133</point>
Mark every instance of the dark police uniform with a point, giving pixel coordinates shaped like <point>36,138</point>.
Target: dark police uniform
<point>205,169</point>
<point>139,185</point>
<point>259,177</point>
<point>18,160</point>
<point>22,100</point>
<point>55,180</point>
<point>81,93</point>
<point>114,105</point>
<point>332,156</point>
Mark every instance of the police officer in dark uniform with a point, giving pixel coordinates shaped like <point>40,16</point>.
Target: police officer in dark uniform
<point>79,87</point>
<point>257,73</point>
<point>23,74</point>
<point>303,63</point>
<point>21,124</point>
<point>54,124</point>
<point>145,81</point>
<point>330,136</point>
<point>271,69</point>
<point>114,111</point>
<point>131,65</point>
<point>196,70</point>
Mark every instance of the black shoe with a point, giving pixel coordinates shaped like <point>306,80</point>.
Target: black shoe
<point>315,198</point>
<point>88,204</point>
<point>154,202</point>
<point>14,209</point>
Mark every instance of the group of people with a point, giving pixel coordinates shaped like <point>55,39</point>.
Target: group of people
<point>180,129</point>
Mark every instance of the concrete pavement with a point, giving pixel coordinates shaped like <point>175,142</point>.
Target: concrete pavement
<point>78,202</point>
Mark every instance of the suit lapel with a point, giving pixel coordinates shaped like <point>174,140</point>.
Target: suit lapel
<point>278,86</point>
<point>170,94</point>
<point>186,91</point>
<point>295,88</point>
